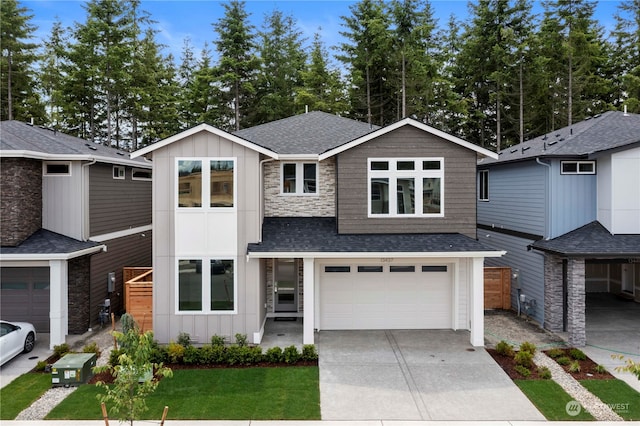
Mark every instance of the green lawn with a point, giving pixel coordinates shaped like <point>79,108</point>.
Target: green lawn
<point>550,399</point>
<point>21,392</point>
<point>621,397</point>
<point>288,393</point>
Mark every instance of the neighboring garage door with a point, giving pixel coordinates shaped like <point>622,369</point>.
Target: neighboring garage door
<point>385,296</point>
<point>24,296</point>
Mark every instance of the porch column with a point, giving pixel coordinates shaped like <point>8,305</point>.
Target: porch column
<point>477,302</point>
<point>553,301</point>
<point>309,302</point>
<point>58,308</point>
<point>576,303</point>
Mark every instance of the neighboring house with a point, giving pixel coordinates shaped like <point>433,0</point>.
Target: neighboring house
<point>320,217</point>
<point>73,215</point>
<point>566,208</point>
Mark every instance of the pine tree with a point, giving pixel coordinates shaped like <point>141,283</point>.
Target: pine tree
<point>51,75</point>
<point>625,56</point>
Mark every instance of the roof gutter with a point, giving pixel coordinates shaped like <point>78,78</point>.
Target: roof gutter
<point>71,157</point>
<point>54,256</point>
<point>375,255</point>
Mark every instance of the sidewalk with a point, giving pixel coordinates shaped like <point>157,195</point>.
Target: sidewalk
<point>310,423</point>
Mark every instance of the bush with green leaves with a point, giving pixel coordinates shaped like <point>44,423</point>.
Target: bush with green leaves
<point>91,348</point>
<point>114,357</point>
<point>309,353</point>
<point>192,356</point>
<point>274,355</point>
<point>243,355</point>
<point>524,359</point>
<point>128,323</point>
<point>600,369</point>
<point>555,353</point>
<point>528,347</point>
<point>184,339</point>
<point>563,360</point>
<point>175,352</point>
<point>213,355</point>
<point>217,340</point>
<point>61,350</point>
<point>544,373</point>
<point>574,367</point>
<point>241,340</point>
<point>505,349</point>
<point>524,371</point>
<point>159,354</point>
<point>41,366</point>
<point>291,354</point>
<point>630,366</point>
<point>577,354</point>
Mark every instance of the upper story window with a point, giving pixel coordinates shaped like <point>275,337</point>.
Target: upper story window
<point>418,183</point>
<point>483,185</point>
<point>212,185</point>
<point>299,178</point>
<point>118,172</point>
<point>578,167</point>
<point>56,168</point>
<point>141,174</point>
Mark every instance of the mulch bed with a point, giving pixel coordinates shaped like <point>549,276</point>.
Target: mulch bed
<point>508,364</point>
<point>587,369</point>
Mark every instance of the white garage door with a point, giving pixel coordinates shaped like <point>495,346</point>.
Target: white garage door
<point>389,296</point>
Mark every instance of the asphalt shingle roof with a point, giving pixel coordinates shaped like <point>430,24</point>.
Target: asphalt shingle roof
<point>47,242</point>
<point>592,239</point>
<point>19,136</point>
<point>311,133</point>
<point>610,130</point>
<point>317,235</point>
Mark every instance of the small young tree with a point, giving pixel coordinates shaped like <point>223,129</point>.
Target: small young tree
<point>134,379</point>
<point>630,366</point>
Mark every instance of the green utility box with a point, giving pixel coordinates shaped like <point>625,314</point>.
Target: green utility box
<point>73,369</point>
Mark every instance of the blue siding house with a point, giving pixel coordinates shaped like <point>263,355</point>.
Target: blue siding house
<point>566,208</point>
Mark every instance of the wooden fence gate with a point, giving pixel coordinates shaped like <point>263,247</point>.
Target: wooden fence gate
<point>138,296</point>
<point>497,288</point>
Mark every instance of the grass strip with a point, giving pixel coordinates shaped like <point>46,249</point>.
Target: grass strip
<point>618,395</point>
<point>551,400</point>
<point>288,393</point>
<point>21,393</point>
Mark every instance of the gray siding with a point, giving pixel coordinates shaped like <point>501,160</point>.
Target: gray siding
<point>133,250</point>
<point>517,198</point>
<point>530,264</point>
<point>63,203</point>
<point>117,204</point>
<point>573,201</point>
<point>459,184</point>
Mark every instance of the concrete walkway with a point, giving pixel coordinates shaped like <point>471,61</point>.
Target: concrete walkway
<point>310,423</point>
<point>414,375</point>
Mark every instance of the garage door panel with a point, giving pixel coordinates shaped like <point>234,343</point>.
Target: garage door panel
<point>24,296</point>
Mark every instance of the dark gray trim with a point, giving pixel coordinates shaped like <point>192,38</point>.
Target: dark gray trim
<point>510,232</point>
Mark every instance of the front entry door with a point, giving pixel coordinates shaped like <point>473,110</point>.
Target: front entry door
<point>285,287</point>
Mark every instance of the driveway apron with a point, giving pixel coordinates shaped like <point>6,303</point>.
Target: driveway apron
<point>414,375</point>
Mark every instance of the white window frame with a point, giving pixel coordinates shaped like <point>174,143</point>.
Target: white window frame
<point>418,174</point>
<point>206,286</point>
<point>135,169</point>
<point>483,185</point>
<point>56,163</point>
<point>578,163</point>
<point>205,200</point>
<point>121,172</point>
<point>300,179</point>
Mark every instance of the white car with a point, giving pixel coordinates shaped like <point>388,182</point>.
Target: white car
<point>15,338</point>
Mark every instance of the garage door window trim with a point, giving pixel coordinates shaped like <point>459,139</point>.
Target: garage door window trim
<point>370,268</point>
<point>333,269</point>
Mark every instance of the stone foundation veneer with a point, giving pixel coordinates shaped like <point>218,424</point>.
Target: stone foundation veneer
<point>280,205</point>
<point>553,301</point>
<point>576,302</point>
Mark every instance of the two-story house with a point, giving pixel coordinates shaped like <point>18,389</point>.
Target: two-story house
<point>318,217</point>
<point>73,214</point>
<point>566,208</point>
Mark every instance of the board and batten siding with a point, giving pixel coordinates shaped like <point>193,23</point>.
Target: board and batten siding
<point>117,204</point>
<point>530,264</point>
<point>459,189</point>
<point>573,200</point>
<point>517,198</point>
<point>250,313</point>
<point>63,202</point>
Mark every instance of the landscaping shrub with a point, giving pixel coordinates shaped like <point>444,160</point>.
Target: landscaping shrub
<point>555,353</point>
<point>61,350</point>
<point>184,339</point>
<point>563,360</point>
<point>91,348</point>
<point>524,371</point>
<point>309,353</point>
<point>528,347</point>
<point>158,355</point>
<point>243,355</point>
<point>601,369</point>
<point>577,354</point>
<point>114,357</point>
<point>41,366</point>
<point>574,367</point>
<point>274,355</point>
<point>192,355</point>
<point>175,352</point>
<point>241,340</point>
<point>524,359</point>
<point>503,348</point>
<point>213,354</point>
<point>217,340</point>
<point>291,354</point>
<point>544,373</point>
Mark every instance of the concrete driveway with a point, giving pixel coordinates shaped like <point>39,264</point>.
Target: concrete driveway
<point>414,375</point>
<point>24,363</point>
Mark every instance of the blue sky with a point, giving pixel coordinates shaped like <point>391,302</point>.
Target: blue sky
<point>179,19</point>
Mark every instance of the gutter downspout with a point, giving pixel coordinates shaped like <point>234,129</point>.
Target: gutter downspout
<point>261,196</point>
<point>548,218</point>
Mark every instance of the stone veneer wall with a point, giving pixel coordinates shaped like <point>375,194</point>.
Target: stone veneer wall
<point>79,300</point>
<point>553,301</point>
<point>576,302</point>
<point>21,195</point>
<point>279,205</point>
